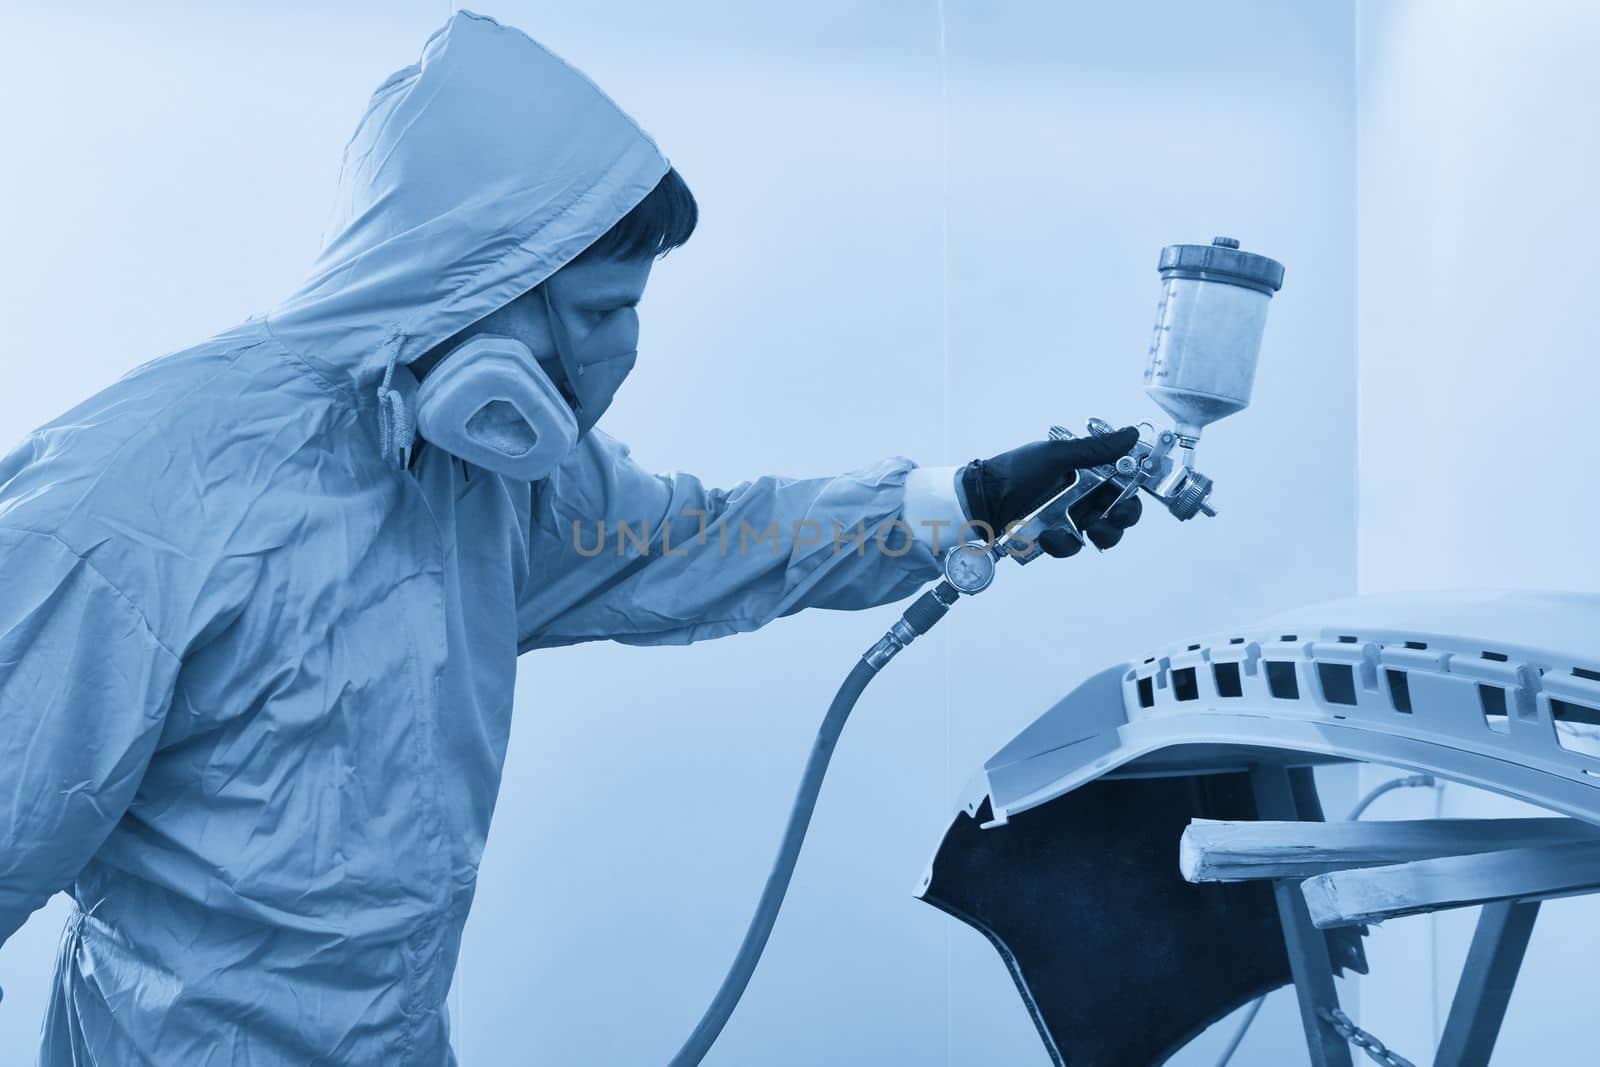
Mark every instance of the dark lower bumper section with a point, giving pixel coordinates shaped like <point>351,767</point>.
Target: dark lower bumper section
<point>1120,961</point>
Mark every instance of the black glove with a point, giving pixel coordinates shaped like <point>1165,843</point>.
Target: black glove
<point>1009,486</point>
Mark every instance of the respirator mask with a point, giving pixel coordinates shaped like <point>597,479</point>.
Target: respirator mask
<point>490,403</point>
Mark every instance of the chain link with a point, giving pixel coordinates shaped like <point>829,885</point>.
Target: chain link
<point>1376,1050</point>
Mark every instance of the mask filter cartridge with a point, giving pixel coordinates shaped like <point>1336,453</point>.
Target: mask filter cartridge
<point>490,403</point>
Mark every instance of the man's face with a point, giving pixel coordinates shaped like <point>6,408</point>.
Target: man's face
<point>584,295</point>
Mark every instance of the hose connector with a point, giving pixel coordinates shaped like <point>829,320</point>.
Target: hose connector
<point>917,620</point>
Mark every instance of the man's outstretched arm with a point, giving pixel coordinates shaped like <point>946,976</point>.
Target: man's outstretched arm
<point>695,563</point>
<point>84,690</point>
<point>619,553</point>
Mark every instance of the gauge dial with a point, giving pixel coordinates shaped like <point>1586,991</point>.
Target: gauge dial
<point>969,567</point>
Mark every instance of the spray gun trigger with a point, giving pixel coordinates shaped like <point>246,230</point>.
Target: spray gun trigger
<point>1125,494</point>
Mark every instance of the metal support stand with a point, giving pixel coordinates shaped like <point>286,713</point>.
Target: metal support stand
<point>1307,946</point>
<point>1486,982</point>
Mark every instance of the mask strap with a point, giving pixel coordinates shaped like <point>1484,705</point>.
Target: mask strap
<point>558,337</point>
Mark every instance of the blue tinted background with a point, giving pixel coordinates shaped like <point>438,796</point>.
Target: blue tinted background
<point>928,231</point>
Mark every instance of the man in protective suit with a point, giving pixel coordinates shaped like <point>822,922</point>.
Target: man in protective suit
<point>258,634</point>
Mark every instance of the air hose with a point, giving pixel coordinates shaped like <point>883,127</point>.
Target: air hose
<point>918,619</point>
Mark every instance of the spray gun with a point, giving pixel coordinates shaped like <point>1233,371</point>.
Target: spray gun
<point>1202,364</point>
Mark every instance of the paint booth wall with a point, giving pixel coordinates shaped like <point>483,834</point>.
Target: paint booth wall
<point>898,254</point>
<point>1477,151</point>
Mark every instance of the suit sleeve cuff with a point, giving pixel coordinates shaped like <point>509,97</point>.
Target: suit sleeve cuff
<point>934,508</point>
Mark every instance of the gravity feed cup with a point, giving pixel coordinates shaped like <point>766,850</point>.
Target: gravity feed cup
<point>1208,332</point>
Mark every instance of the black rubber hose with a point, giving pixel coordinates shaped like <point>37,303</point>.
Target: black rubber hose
<point>918,619</point>
<point>755,937</point>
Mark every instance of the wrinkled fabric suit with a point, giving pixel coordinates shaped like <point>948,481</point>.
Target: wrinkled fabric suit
<point>256,671</point>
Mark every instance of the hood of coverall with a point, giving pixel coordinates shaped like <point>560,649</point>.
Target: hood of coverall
<point>474,175</point>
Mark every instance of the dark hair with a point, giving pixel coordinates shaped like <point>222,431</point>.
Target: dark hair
<point>660,222</point>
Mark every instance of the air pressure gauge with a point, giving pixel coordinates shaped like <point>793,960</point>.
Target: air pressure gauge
<point>969,567</point>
